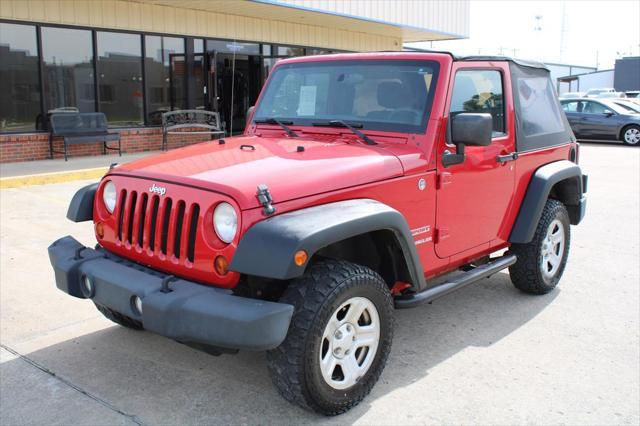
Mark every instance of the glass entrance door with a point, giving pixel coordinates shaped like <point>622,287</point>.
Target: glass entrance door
<point>234,82</point>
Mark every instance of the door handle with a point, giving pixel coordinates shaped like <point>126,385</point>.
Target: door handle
<point>502,159</point>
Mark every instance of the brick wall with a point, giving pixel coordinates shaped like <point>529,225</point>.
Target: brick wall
<point>35,146</point>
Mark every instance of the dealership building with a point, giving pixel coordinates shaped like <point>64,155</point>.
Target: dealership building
<point>135,59</point>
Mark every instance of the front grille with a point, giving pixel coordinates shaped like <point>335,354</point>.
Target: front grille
<point>158,225</point>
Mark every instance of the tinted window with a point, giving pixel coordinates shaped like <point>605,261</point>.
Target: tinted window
<point>479,91</point>
<point>68,69</point>
<point>19,85</point>
<point>120,78</point>
<point>539,109</point>
<point>381,95</point>
<point>165,73</point>
<point>594,108</point>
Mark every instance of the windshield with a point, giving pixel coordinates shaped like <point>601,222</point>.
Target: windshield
<point>388,95</point>
<point>629,106</point>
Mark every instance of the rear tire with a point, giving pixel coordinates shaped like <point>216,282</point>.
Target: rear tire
<point>343,318</point>
<point>118,318</point>
<point>542,261</point>
<point>631,135</point>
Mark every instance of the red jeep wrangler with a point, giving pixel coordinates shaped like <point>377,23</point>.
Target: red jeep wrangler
<point>358,180</point>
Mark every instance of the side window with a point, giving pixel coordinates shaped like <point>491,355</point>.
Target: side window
<point>479,91</point>
<point>571,106</point>
<point>594,108</point>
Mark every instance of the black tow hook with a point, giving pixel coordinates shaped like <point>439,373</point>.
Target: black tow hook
<point>165,284</point>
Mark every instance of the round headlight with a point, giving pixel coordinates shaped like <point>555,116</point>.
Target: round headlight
<point>109,196</point>
<point>225,222</point>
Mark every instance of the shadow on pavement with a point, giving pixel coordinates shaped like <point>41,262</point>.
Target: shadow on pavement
<point>160,381</point>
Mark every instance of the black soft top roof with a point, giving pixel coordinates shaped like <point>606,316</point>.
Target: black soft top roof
<point>520,62</point>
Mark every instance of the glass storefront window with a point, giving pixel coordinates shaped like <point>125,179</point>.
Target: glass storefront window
<point>290,51</point>
<point>228,46</point>
<point>165,76</point>
<point>19,81</point>
<point>67,56</point>
<point>314,51</point>
<point>119,70</point>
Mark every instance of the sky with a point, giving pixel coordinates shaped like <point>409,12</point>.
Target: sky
<point>576,32</point>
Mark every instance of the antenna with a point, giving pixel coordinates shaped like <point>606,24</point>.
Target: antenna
<point>563,30</point>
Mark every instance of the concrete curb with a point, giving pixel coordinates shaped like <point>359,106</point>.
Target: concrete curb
<point>49,178</point>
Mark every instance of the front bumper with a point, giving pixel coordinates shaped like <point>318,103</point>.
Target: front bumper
<point>189,313</point>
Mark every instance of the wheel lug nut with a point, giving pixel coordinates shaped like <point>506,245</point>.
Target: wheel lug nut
<point>348,328</point>
<point>337,351</point>
<point>338,334</point>
<point>347,352</point>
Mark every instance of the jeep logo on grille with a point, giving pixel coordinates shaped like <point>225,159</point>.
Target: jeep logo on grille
<point>160,190</point>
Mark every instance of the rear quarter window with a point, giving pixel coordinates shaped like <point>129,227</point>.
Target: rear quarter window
<point>539,110</point>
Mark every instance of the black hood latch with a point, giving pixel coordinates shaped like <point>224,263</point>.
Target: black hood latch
<point>265,198</point>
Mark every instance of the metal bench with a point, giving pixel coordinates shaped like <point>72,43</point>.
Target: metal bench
<point>181,122</point>
<point>79,128</point>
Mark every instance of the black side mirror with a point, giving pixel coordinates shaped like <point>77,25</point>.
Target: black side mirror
<point>473,129</point>
<point>607,112</point>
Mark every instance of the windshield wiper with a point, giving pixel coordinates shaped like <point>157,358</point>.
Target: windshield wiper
<point>280,123</point>
<point>341,123</point>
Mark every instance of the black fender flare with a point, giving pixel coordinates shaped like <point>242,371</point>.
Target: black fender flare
<point>81,206</point>
<point>542,181</point>
<point>268,247</point>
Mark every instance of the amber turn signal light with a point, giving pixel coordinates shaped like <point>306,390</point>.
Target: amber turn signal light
<point>300,258</point>
<point>222,265</point>
<point>100,229</point>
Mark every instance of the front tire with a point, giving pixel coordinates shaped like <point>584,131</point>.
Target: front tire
<point>339,338</point>
<point>541,262</point>
<point>631,135</point>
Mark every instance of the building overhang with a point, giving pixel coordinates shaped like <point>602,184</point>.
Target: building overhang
<point>294,13</point>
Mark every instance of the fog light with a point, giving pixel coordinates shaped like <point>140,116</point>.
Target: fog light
<point>86,286</point>
<point>136,305</point>
<point>221,265</point>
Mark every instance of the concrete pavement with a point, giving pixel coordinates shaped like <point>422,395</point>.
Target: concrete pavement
<point>486,354</point>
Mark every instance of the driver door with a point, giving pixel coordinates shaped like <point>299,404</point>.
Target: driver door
<point>595,123</point>
<point>473,197</point>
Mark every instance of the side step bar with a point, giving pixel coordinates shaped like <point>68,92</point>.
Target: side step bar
<point>462,280</point>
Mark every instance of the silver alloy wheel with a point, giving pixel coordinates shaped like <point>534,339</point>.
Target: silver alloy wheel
<point>552,249</point>
<point>632,136</point>
<point>349,343</point>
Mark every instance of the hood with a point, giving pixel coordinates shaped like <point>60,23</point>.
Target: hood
<point>239,165</point>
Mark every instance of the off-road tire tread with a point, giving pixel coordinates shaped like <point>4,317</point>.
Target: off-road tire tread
<point>118,318</point>
<point>306,294</point>
<point>525,273</point>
